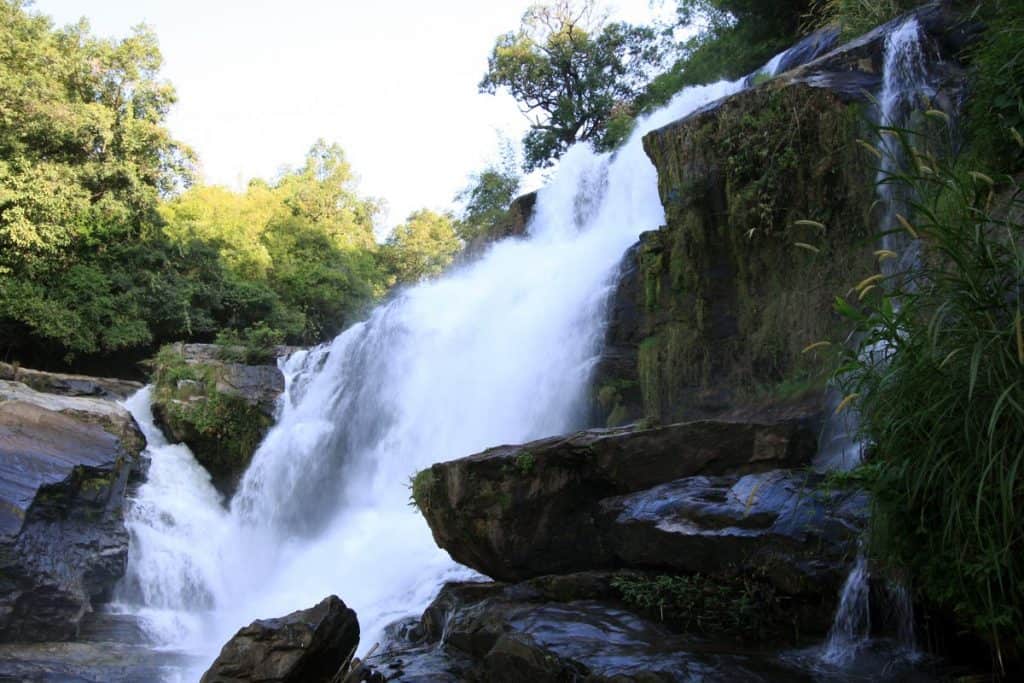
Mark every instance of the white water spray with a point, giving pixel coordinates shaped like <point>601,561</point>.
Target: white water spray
<point>498,351</point>
<point>851,630</point>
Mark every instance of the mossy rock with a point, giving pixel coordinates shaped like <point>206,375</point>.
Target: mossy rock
<point>728,299</point>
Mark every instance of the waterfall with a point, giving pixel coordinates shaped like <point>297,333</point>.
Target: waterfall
<point>851,629</point>
<point>497,351</point>
<point>905,84</point>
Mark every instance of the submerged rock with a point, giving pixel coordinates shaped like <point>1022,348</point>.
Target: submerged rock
<point>307,646</point>
<point>514,512</point>
<point>65,462</point>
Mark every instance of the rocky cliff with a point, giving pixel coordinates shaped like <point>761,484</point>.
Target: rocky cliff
<point>769,205</point>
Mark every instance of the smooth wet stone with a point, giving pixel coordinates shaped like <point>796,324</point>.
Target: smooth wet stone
<point>65,462</point>
<point>781,525</point>
<point>306,646</point>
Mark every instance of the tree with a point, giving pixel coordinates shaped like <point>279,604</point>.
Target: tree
<point>569,68</point>
<point>298,254</point>
<point>488,195</point>
<point>422,247</point>
<point>84,159</point>
<point>733,38</point>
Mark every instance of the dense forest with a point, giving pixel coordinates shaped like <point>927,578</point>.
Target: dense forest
<point>111,245</point>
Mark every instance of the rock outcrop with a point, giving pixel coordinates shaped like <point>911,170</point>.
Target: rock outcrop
<point>69,385</point>
<point>515,512</point>
<point>65,463</point>
<point>768,201</point>
<point>221,409</point>
<point>314,645</point>
<point>570,628</point>
<point>512,224</point>
<point>719,498</point>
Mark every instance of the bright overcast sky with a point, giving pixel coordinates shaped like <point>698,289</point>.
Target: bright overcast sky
<point>393,81</point>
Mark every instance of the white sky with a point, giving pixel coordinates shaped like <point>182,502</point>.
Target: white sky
<point>393,81</point>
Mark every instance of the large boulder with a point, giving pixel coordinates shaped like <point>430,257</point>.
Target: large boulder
<point>314,645</point>
<point>514,512</point>
<point>65,462</point>
<point>218,404</point>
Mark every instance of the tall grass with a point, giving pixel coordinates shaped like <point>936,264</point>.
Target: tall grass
<point>938,377</point>
<point>855,17</point>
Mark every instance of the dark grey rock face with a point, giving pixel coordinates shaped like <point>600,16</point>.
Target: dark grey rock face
<point>65,462</point>
<point>307,646</point>
<point>497,632</point>
<point>516,512</point>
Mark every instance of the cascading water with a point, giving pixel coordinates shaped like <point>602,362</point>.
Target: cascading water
<point>498,351</point>
<point>905,84</point>
<point>852,626</point>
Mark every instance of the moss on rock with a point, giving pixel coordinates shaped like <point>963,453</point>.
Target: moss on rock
<point>729,299</point>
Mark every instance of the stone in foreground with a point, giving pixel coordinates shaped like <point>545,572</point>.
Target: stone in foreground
<point>65,462</point>
<point>306,646</point>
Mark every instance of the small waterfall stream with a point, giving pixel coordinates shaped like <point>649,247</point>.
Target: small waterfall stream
<point>905,85</point>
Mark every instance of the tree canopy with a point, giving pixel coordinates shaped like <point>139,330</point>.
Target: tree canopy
<point>422,247</point>
<point>106,243</point>
<point>571,71</point>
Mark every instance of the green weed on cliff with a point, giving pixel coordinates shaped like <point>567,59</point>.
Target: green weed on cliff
<point>938,377</point>
<point>741,607</point>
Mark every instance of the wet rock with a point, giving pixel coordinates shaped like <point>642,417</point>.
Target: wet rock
<point>779,525</point>
<point>496,632</point>
<point>306,646</point>
<point>69,385</point>
<point>65,463</point>
<point>514,512</point>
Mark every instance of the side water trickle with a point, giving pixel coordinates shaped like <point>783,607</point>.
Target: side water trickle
<point>905,85</point>
<point>498,351</point>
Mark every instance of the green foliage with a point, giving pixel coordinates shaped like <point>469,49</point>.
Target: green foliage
<point>84,158</point>
<point>488,195</point>
<point>743,607</point>
<point>996,107</point>
<point>855,17</point>
<point>254,345</point>
<point>419,487</point>
<point>938,376</point>
<point>98,255</point>
<point>422,247</point>
<point>569,70</point>
<point>734,37</point>
<point>299,254</point>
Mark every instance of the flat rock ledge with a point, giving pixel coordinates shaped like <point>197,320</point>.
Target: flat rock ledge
<point>716,497</point>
